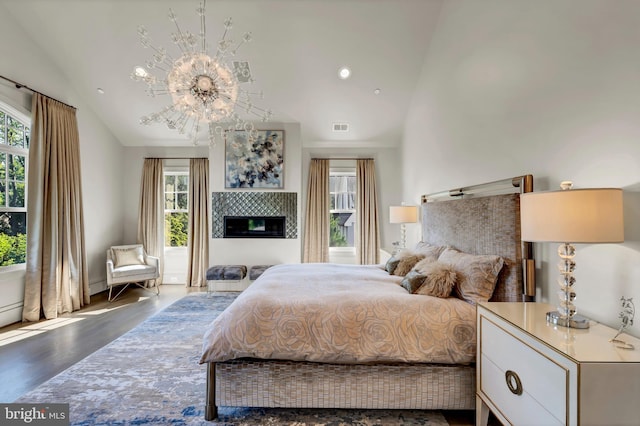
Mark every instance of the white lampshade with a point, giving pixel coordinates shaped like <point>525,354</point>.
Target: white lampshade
<point>573,216</point>
<point>403,214</point>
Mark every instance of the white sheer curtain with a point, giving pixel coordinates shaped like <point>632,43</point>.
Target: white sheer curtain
<point>56,275</point>
<point>151,213</point>
<point>198,246</point>
<point>316,225</point>
<point>344,195</point>
<point>368,235</point>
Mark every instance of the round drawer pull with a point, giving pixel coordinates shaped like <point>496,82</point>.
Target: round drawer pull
<point>513,382</point>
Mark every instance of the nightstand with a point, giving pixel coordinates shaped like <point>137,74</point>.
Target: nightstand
<point>533,373</point>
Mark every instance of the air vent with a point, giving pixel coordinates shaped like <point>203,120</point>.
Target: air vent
<point>340,127</point>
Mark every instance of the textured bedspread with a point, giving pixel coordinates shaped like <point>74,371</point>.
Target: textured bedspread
<point>340,314</point>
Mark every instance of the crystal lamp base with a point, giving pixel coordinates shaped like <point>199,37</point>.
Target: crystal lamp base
<point>577,321</point>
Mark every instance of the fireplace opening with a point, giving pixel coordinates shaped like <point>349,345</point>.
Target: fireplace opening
<point>254,227</point>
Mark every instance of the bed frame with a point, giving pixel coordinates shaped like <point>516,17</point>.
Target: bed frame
<point>463,218</point>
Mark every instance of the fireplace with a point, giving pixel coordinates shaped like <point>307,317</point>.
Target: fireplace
<point>251,204</point>
<point>254,226</point>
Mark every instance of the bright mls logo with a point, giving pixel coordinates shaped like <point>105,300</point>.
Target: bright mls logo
<point>34,414</point>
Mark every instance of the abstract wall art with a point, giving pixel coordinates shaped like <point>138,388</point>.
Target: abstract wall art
<point>254,162</point>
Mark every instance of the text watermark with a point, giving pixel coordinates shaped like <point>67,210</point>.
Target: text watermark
<point>34,414</point>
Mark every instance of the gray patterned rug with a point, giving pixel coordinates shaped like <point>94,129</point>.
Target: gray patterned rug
<point>151,376</point>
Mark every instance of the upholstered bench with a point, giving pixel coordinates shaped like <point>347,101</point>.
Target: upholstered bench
<point>256,270</point>
<point>224,273</point>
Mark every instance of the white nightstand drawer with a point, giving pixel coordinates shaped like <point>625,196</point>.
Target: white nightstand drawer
<point>539,386</point>
<point>519,409</point>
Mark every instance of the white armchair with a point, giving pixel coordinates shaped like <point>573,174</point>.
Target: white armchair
<point>130,264</point>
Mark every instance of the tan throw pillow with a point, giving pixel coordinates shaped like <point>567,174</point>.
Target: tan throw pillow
<point>128,256</point>
<point>476,274</point>
<point>406,264</point>
<point>394,260</point>
<point>429,251</point>
<point>439,280</point>
<point>423,264</point>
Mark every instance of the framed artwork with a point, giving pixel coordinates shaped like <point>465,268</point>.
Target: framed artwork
<point>257,163</point>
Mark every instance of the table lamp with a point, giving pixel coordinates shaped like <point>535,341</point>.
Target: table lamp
<point>571,216</point>
<point>403,215</point>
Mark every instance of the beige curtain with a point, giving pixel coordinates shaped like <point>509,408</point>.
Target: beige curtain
<point>151,213</point>
<point>56,275</point>
<point>198,246</point>
<point>368,235</point>
<point>316,226</point>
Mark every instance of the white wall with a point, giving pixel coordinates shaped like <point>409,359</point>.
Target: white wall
<point>102,183</point>
<point>256,251</point>
<point>100,152</point>
<point>549,88</point>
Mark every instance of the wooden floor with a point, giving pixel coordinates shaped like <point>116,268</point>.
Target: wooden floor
<point>32,353</point>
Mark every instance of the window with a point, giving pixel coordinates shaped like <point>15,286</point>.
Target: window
<point>342,220</point>
<point>15,133</point>
<point>176,208</point>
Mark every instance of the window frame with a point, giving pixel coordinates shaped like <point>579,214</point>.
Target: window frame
<point>174,171</point>
<point>343,171</point>
<point>23,118</point>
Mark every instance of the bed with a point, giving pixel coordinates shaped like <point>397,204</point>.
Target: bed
<point>352,336</point>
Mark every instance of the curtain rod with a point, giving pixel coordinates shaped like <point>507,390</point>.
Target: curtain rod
<point>342,158</point>
<point>176,158</point>
<point>24,86</point>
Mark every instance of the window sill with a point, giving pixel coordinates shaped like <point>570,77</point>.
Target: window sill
<point>342,249</point>
<point>13,268</point>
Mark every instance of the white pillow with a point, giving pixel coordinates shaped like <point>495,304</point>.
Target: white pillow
<point>128,256</point>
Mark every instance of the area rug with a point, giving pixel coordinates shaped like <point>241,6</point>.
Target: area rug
<point>151,376</point>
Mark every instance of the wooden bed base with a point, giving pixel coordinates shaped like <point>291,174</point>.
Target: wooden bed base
<point>476,225</point>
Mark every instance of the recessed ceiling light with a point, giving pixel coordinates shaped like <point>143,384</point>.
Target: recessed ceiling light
<point>344,73</point>
<point>376,92</point>
<point>100,90</point>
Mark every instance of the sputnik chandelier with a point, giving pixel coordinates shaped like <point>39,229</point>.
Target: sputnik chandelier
<point>205,90</point>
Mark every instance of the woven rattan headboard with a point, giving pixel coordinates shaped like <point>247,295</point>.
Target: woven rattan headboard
<point>484,225</point>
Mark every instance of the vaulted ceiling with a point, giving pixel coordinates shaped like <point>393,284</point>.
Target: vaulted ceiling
<point>297,49</point>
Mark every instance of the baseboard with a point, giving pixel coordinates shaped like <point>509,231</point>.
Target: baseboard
<point>12,280</point>
<point>10,314</point>
<point>97,287</point>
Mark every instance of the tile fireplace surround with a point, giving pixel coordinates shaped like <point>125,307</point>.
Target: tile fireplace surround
<point>254,203</point>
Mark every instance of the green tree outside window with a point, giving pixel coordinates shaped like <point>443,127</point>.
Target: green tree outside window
<point>176,205</point>
<point>14,144</point>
